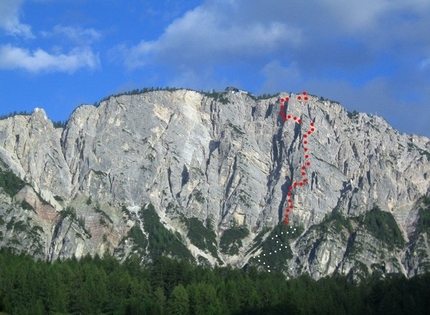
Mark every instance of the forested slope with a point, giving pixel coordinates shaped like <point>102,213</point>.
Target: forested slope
<point>105,286</point>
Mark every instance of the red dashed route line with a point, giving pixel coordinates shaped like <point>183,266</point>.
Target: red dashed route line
<point>307,163</point>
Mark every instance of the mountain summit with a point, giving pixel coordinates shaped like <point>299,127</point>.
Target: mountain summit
<point>210,177</point>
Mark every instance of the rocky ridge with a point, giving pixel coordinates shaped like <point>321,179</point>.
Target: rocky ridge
<point>205,177</point>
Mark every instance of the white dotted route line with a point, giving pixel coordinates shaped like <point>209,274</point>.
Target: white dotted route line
<point>280,248</point>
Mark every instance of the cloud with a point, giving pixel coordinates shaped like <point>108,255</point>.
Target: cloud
<point>208,35</point>
<point>281,78</point>
<point>40,61</point>
<point>317,35</point>
<point>78,35</point>
<point>370,55</point>
<point>9,19</point>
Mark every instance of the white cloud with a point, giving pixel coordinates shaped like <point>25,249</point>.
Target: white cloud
<point>209,34</point>
<point>77,35</point>
<point>9,19</point>
<point>360,52</point>
<point>41,61</point>
<point>366,15</point>
<point>279,78</point>
<point>322,31</point>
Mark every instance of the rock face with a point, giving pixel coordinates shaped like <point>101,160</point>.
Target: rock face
<point>206,177</point>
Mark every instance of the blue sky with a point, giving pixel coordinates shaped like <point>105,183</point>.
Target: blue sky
<point>371,56</point>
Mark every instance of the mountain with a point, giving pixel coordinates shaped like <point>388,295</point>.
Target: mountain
<point>209,177</point>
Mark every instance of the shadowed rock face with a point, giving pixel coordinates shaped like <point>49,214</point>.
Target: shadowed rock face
<point>225,163</point>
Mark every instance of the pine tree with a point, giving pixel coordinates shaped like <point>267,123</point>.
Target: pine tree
<point>179,301</point>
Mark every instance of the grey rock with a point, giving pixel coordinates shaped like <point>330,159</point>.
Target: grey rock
<point>232,162</point>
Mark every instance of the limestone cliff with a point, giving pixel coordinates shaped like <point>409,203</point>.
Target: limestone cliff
<point>205,177</point>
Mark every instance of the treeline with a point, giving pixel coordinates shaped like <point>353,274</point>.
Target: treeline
<point>14,113</point>
<point>216,95</point>
<point>137,91</point>
<point>57,124</point>
<point>104,286</point>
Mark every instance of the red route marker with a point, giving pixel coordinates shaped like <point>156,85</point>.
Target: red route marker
<point>297,120</point>
<point>303,96</point>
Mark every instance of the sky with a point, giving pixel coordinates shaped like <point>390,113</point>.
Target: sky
<point>371,56</point>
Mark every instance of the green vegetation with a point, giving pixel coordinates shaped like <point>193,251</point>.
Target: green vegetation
<point>263,96</point>
<point>16,226</point>
<point>99,173</point>
<point>236,129</point>
<point>231,239</point>
<point>103,215</point>
<point>212,94</point>
<point>42,199</point>
<point>413,147</point>
<point>245,198</point>
<point>60,123</point>
<point>380,224</point>
<point>58,198</point>
<point>424,217</point>
<point>139,238</point>
<point>161,240</point>
<point>336,221</point>
<point>10,183</point>
<point>105,286</point>
<point>199,196</point>
<point>383,226</point>
<point>57,124</point>
<point>259,238</point>
<point>266,96</point>
<point>15,113</point>
<point>201,236</point>
<point>26,206</point>
<point>68,212</point>
<point>352,115</point>
<point>223,100</point>
<point>272,245</point>
<point>137,92</point>
<point>217,96</point>
<point>71,212</point>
